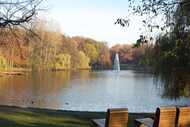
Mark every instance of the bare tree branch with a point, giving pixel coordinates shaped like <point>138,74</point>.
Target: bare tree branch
<point>17,12</point>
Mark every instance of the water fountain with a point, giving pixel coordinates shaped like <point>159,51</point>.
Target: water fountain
<point>116,64</point>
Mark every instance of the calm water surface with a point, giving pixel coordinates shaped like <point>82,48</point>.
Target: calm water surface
<point>85,91</point>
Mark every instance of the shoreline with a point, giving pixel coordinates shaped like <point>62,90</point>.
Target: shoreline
<point>27,117</point>
<point>63,110</point>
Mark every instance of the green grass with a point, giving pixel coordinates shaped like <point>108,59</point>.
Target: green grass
<point>30,117</point>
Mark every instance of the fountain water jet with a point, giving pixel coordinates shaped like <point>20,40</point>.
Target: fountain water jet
<point>116,64</point>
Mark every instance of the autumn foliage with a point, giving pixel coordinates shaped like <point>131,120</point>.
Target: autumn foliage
<point>50,50</point>
<point>128,54</point>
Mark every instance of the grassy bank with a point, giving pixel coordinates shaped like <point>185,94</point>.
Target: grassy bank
<point>31,117</point>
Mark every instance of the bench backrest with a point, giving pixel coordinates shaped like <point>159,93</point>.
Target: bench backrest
<point>165,117</point>
<point>183,116</point>
<point>117,117</point>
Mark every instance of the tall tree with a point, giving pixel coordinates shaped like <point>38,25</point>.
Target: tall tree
<point>172,54</point>
<point>44,49</point>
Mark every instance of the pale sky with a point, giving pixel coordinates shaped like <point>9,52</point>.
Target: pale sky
<point>94,19</point>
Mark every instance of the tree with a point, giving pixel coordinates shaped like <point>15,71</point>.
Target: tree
<point>172,55</point>
<point>143,40</point>
<point>18,12</point>
<point>13,46</point>
<point>152,10</point>
<point>104,58</point>
<point>127,54</point>
<point>62,61</point>
<point>69,46</point>
<point>45,48</point>
<point>98,52</point>
<point>3,63</point>
<point>83,61</point>
<point>91,52</point>
<point>172,64</point>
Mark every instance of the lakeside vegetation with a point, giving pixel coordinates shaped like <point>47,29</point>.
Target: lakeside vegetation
<point>169,56</point>
<point>48,49</point>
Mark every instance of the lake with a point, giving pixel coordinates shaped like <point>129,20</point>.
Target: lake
<point>86,91</point>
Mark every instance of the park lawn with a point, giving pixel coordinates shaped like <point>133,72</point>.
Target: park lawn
<point>31,117</point>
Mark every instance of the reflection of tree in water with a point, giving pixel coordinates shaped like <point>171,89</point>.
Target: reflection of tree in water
<point>38,89</point>
<point>46,87</point>
<point>175,84</point>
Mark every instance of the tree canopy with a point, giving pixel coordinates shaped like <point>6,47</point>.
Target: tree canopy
<point>152,10</point>
<point>169,56</point>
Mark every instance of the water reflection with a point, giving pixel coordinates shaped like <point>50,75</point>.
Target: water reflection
<point>85,90</point>
<point>174,85</point>
<point>36,89</point>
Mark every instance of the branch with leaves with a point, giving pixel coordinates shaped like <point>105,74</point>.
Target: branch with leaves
<point>150,10</point>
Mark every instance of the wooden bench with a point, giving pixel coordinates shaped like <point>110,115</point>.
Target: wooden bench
<point>164,117</point>
<point>183,114</point>
<point>114,118</point>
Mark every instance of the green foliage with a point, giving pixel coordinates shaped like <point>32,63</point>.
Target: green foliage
<point>69,46</point>
<point>172,63</point>
<point>173,49</point>
<point>91,51</point>
<point>144,60</point>
<point>173,53</point>
<point>147,58</point>
<point>42,57</point>
<point>62,61</point>
<point>152,11</point>
<point>97,52</point>
<point>3,63</point>
<point>84,61</point>
<point>140,42</point>
<point>170,56</point>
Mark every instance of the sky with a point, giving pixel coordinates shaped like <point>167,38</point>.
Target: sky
<point>94,19</point>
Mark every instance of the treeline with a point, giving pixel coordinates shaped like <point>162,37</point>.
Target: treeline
<point>42,48</point>
<point>128,54</point>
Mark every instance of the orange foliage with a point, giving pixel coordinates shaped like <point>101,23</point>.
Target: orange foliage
<point>127,54</point>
